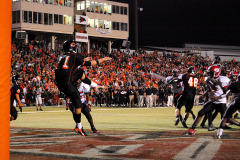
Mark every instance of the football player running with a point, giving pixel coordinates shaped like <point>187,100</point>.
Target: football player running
<point>190,83</point>
<point>217,88</point>
<point>232,108</point>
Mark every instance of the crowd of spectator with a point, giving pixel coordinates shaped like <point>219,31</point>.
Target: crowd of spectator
<point>129,77</point>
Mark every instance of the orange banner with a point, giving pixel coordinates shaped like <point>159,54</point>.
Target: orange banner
<point>5,71</point>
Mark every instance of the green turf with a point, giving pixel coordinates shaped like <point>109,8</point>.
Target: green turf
<point>124,119</point>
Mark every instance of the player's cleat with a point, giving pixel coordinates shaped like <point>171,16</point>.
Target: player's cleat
<point>184,124</point>
<point>189,132</point>
<point>37,109</point>
<point>218,137</point>
<point>177,121</point>
<point>203,125</point>
<point>94,130</point>
<point>211,128</point>
<point>80,131</point>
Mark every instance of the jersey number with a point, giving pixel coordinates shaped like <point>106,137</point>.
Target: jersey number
<point>192,82</point>
<point>65,65</point>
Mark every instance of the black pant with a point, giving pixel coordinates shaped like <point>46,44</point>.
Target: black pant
<point>70,91</point>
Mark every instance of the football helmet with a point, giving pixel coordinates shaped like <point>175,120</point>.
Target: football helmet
<point>191,70</point>
<point>69,46</point>
<point>175,72</point>
<point>233,75</point>
<point>214,71</point>
<point>15,79</point>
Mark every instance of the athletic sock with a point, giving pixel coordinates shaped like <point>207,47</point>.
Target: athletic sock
<point>193,126</point>
<point>219,132</point>
<point>79,125</point>
<point>77,117</point>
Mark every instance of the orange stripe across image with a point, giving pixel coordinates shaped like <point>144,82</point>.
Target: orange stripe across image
<point>5,71</point>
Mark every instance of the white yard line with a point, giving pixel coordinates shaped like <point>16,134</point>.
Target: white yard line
<point>203,148</point>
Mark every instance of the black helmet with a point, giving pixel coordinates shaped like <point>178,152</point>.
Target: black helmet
<point>191,70</point>
<point>69,46</point>
<point>175,72</point>
<point>15,79</point>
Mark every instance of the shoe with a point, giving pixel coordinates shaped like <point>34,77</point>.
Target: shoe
<point>218,137</point>
<point>184,124</point>
<point>177,121</point>
<point>189,132</point>
<point>211,128</point>
<point>227,127</point>
<point>203,125</point>
<point>37,109</point>
<point>94,130</point>
<point>80,131</point>
<point>41,110</point>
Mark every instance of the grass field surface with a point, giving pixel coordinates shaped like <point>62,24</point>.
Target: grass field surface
<point>124,119</point>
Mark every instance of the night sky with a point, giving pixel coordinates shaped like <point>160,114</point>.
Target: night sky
<point>172,23</point>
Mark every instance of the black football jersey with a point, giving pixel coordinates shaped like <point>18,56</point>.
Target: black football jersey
<point>190,83</point>
<point>67,66</point>
<point>235,87</point>
<point>15,89</point>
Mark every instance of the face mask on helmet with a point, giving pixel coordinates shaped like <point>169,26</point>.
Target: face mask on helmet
<point>214,71</point>
<point>69,46</point>
<point>16,79</point>
<point>191,70</point>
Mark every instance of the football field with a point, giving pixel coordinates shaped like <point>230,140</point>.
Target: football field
<point>125,133</point>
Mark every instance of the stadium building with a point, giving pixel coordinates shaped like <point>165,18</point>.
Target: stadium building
<point>89,22</point>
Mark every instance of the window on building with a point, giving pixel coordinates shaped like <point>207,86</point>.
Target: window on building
<point>92,6</point>
<point>88,8</point>
<point>40,18</point>
<point>35,17</point>
<point>100,8</point>
<point>109,9</point>
<point>25,16</point>
<point>96,23</point>
<point>27,0</point>
<point>121,10</point>
<point>60,19</point>
<point>50,19</point>
<point>113,9</point>
<point>117,9</point>
<point>115,26</point>
<point>45,18</point>
<point>100,24</point>
<point>49,1</point>
<point>56,18</point>
<point>97,7</point>
<point>125,11</point>
<point>80,5</point>
<point>124,27</point>
<point>16,17</point>
<point>30,17</point>
<point>67,20</point>
<point>15,0</point>
<point>68,3</point>
<point>91,23</point>
<point>107,24</point>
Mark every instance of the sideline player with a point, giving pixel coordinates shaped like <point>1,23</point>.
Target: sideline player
<point>190,83</point>
<point>217,87</point>
<point>67,66</point>
<point>233,107</point>
<point>15,91</point>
